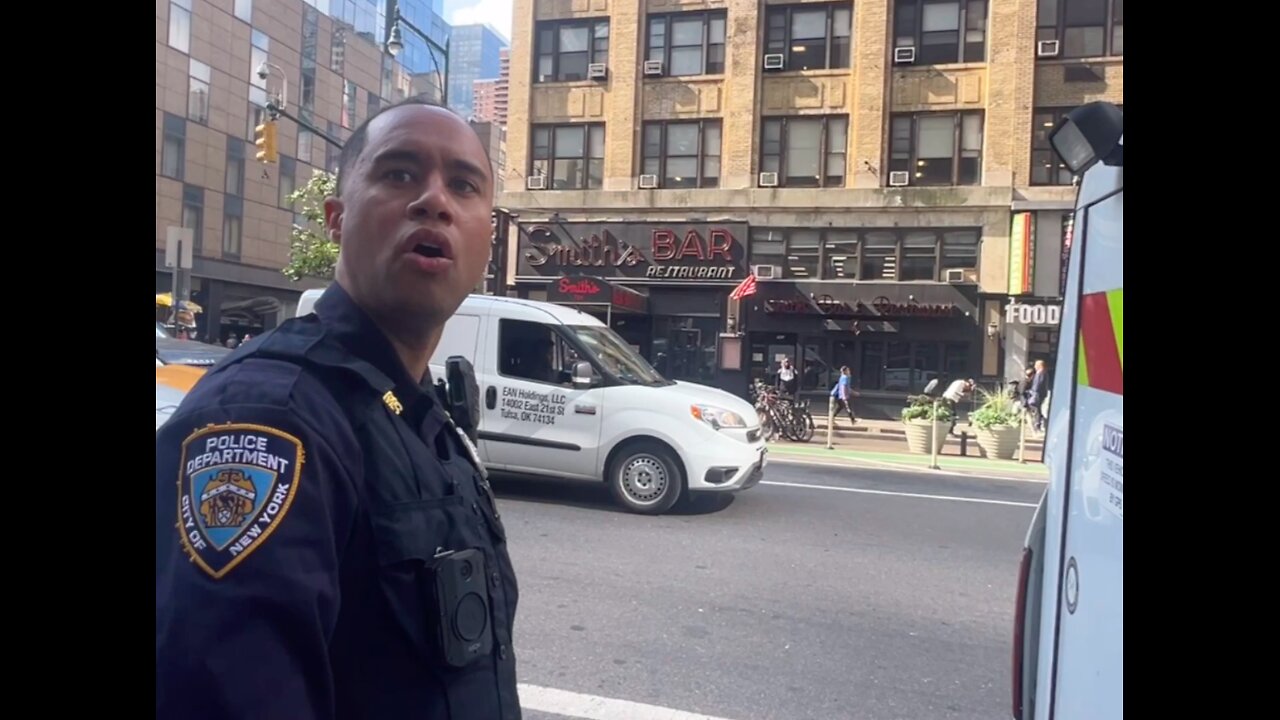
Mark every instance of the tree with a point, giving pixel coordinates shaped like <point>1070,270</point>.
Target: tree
<point>311,253</point>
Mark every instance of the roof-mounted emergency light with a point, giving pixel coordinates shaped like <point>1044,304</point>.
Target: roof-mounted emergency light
<point>1089,134</point>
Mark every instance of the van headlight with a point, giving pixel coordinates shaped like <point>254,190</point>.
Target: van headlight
<point>717,417</point>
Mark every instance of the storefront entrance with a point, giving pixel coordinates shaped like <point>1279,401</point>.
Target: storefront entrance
<point>684,348</point>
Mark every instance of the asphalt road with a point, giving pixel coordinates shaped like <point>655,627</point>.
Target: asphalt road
<point>789,602</point>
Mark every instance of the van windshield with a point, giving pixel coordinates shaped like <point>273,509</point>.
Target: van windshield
<point>616,356</point>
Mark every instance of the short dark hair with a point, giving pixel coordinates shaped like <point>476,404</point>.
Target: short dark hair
<point>354,145</point>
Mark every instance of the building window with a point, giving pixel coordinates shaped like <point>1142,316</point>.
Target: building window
<point>938,148</point>
<point>198,97</point>
<point>806,151</point>
<point>688,43</point>
<point>338,50</point>
<point>811,37</point>
<point>912,254</point>
<point>180,25</point>
<point>571,156</point>
<point>565,48</point>
<point>683,154</point>
<point>806,253</point>
<point>193,214</point>
<point>349,105</point>
<point>310,37</point>
<point>373,104</point>
<point>868,255</point>
<point>244,10</point>
<point>307,90</point>
<point>232,236</point>
<point>258,54</point>
<point>306,142</point>
<point>235,167</point>
<point>173,150</point>
<point>332,154</point>
<point>942,31</point>
<point>232,227</point>
<point>257,109</point>
<point>288,181</point>
<point>906,367</point>
<point>1084,28</point>
<point>1046,167</point>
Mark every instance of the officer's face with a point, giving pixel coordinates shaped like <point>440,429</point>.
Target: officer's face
<point>413,222</point>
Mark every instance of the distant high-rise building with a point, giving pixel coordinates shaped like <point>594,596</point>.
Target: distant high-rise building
<point>473,54</point>
<point>490,103</point>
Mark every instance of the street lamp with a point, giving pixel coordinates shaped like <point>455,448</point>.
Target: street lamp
<point>395,44</point>
<point>1088,135</point>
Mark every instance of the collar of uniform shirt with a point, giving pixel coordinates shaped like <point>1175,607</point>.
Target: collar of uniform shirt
<point>358,333</point>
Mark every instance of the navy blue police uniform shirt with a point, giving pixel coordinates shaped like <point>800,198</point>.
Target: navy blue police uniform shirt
<point>268,602</point>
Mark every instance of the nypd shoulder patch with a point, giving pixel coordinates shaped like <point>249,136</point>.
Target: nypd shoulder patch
<point>235,485</point>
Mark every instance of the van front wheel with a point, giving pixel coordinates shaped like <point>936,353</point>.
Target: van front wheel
<point>646,479</point>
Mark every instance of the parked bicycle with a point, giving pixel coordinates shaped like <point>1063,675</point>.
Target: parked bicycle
<point>781,414</point>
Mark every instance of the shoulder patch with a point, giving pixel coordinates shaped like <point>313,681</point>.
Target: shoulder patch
<point>235,485</point>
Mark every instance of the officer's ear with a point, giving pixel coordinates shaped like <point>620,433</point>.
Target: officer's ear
<point>333,218</point>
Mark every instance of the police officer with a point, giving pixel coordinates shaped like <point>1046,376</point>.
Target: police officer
<point>326,546</point>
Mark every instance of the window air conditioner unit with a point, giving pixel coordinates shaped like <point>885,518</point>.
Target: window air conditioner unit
<point>1047,48</point>
<point>536,182</point>
<point>597,71</point>
<point>955,275</point>
<point>653,68</point>
<point>774,61</point>
<point>768,179</point>
<point>904,55</point>
<point>648,182</point>
<point>764,272</point>
<point>899,178</point>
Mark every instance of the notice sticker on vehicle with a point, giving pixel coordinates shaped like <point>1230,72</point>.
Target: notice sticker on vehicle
<point>1111,470</point>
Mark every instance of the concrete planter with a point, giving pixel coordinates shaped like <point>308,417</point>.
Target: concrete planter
<point>920,432</point>
<point>999,442</point>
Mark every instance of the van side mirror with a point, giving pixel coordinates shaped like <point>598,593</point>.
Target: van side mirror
<point>583,375</point>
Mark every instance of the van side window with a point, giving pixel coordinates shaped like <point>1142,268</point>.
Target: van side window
<point>534,351</point>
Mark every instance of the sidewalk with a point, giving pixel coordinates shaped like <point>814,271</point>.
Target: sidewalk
<point>886,429</point>
<point>883,443</point>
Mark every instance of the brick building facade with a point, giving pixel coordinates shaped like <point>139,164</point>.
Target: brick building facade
<point>209,98</point>
<point>880,167</point>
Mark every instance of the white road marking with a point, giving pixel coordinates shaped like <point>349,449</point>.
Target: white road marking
<point>593,707</point>
<point>866,491</point>
<point>864,464</point>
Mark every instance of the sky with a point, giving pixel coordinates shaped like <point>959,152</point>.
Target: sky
<point>496,13</point>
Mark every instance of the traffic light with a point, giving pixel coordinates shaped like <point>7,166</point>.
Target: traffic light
<point>265,139</point>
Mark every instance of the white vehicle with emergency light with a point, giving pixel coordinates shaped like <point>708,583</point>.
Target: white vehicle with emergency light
<point>562,395</point>
<point>1068,646</point>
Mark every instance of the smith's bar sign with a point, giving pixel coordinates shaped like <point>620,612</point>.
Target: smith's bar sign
<point>685,251</point>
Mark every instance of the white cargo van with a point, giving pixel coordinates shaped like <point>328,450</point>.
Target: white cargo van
<point>1068,640</point>
<point>562,395</point>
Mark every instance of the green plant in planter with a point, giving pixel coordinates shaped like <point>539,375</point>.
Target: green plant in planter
<point>921,407</point>
<point>997,410</point>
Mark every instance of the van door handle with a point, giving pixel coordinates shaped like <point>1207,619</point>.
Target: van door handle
<point>491,397</point>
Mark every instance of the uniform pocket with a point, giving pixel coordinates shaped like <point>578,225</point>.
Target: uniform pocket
<point>415,530</point>
<point>408,536</point>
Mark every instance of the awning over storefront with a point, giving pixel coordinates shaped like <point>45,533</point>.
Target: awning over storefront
<point>585,291</point>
